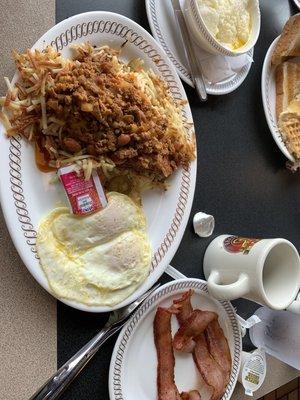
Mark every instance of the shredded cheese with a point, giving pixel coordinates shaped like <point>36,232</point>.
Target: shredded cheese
<point>44,115</point>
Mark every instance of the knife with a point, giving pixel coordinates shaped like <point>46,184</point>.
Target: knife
<point>194,65</point>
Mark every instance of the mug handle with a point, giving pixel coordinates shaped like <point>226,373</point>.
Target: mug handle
<point>227,292</point>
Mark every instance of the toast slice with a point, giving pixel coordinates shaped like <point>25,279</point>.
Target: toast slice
<point>288,44</point>
<point>289,124</point>
<point>287,77</point>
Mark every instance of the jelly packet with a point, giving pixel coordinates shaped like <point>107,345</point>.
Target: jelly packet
<point>253,370</point>
<point>84,196</point>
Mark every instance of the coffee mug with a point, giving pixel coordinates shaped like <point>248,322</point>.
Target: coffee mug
<point>266,271</point>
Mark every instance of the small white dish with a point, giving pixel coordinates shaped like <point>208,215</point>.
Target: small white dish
<point>132,373</point>
<point>268,90</point>
<point>206,40</point>
<point>163,27</point>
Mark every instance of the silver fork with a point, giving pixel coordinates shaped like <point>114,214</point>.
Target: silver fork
<point>58,382</point>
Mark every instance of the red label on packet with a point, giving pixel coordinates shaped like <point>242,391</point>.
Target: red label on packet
<point>85,196</point>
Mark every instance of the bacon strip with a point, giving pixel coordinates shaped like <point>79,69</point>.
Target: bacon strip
<point>167,389</point>
<point>191,328</point>
<point>218,348</point>
<point>184,306</point>
<point>209,368</point>
<point>192,395</point>
<point>199,333</point>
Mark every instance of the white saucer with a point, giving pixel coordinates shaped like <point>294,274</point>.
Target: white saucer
<point>163,26</point>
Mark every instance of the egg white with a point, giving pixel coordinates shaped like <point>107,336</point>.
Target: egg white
<point>99,259</point>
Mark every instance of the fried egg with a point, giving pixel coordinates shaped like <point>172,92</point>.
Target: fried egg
<point>99,259</point>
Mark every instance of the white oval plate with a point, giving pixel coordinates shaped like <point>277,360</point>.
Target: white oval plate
<point>27,194</point>
<point>268,91</point>
<point>163,27</point>
<point>132,373</point>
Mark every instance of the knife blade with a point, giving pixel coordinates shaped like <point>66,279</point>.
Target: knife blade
<point>194,65</point>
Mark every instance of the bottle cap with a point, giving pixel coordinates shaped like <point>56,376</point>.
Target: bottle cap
<point>204,224</point>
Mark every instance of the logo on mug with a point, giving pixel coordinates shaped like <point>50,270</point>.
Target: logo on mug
<point>235,244</point>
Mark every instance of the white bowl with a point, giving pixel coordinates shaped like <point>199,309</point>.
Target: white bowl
<point>207,41</point>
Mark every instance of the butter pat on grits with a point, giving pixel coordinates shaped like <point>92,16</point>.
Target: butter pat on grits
<point>228,21</point>
<point>99,259</point>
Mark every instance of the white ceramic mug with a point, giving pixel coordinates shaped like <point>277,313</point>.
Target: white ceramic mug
<point>266,271</point>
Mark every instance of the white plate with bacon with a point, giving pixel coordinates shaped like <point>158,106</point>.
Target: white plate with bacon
<point>158,351</point>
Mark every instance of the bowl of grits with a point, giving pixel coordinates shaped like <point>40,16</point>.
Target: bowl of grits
<point>226,27</point>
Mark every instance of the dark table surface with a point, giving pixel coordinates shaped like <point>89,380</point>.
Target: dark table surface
<point>241,180</point>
